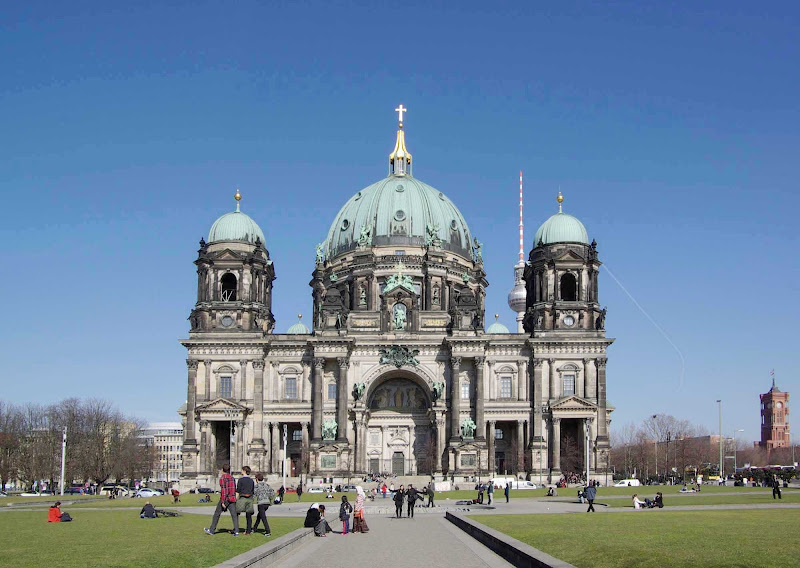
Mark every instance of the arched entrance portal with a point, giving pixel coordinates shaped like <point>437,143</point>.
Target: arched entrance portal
<point>400,436</point>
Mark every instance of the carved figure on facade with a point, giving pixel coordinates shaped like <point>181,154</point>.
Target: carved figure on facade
<point>399,356</point>
<point>329,428</point>
<point>432,236</point>
<point>600,322</point>
<point>477,247</point>
<point>468,428</point>
<point>358,390</point>
<point>438,389</point>
<point>365,237</point>
<point>398,394</point>
<point>399,316</point>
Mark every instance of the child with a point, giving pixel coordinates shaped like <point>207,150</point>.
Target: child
<point>344,514</point>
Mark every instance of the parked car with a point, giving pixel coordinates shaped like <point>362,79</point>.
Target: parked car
<point>147,492</point>
<point>627,483</point>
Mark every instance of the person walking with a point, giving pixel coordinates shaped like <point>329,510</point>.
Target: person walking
<point>490,491</point>
<point>344,514</point>
<point>227,501</point>
<point>398,502</point>
<point>590,493</point>
<point>431,494</point>
<point>359,522</point>
<point>507,490</point>
<point>244,503</point>
<point>264,496</point>
<point>411,498</point>
<point>776,487</point>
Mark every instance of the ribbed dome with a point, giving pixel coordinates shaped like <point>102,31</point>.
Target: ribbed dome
<point>397,209</point>
<point>561,228</point>
<point>497,327</point>
<point>235,226</point>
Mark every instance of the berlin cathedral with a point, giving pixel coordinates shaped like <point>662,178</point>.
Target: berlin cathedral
<point>397,373</point>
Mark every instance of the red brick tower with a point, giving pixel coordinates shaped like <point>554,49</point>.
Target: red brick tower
<point>775,418</point>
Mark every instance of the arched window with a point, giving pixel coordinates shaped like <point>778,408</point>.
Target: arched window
<point>569,288</point>
<point>228,287</point>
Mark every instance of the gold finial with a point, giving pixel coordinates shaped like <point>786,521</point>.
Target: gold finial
<point>560,200</point>
<point>238,197</point>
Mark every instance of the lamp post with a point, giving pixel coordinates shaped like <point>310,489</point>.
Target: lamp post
<point>721,462</point>
<point>734,449</point>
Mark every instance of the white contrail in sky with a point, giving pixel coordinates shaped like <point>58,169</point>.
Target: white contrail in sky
<point>658,327</point>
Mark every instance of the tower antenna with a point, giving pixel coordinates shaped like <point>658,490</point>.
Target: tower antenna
<point>521,226</point>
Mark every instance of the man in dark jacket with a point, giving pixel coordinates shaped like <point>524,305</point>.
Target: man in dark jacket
<point>590,493</point>
<point>412,495</point>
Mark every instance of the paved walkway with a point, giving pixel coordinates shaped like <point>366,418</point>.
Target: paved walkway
<point>425,540</point>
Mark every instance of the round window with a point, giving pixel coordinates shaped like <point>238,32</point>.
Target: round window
<point>345,224</point>
<point>400,215</point>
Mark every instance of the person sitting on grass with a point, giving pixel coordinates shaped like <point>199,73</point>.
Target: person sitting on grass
<point>148,511</point>
<point>54,515</point>
<point>637,503</point>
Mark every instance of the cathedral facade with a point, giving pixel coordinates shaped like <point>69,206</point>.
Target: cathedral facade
<point>397,372</point>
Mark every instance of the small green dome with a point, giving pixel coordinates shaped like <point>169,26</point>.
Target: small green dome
<point>235,226</point>
<point>397,210</point>
<point>561,228</point>
<point>497,327</point>
<point>299,328</point>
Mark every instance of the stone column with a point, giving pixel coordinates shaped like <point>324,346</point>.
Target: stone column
<point>480,379</point>
<point>440,441</point>
<point>490,440</point>
<point>520,457</point>
<point>589,379</point>
<point>552,394</point>
<point>207,367</point>
<point>455,399</point>
<point>191,404</point>
<point>258,402</point>
<point>602,423</point>
<point>341,400</point>
<point>241,388</point>
<point>555,443</point>
<point>536,400</point>
<point>316,399</point>
<point>275,447</point>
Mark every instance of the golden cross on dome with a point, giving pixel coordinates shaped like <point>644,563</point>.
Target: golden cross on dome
<point>400,110</point>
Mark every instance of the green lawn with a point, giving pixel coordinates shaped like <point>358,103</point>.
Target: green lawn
<point>760,538</point>
<point>121,539</point>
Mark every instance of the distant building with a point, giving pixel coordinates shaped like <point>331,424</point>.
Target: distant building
<point>775,419</point>
<point>167,439</point>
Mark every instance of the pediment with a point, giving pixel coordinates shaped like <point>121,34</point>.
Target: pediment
<point>573,403</point>
<point>221,405</point>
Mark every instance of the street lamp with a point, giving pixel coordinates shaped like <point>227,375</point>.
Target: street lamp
<point>721,463</point>
<point>734,449</point>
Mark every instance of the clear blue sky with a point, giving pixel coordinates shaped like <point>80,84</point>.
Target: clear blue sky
<point>673,132</point>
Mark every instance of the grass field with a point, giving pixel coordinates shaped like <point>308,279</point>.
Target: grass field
<point>122,539</point>
<point>674,540</point>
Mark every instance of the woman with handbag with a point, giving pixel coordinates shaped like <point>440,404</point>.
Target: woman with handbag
<point>359,523</point>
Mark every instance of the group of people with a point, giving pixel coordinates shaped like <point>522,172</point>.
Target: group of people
<point>655,502</point>
<point>315,516</point>
<point>248,496</point>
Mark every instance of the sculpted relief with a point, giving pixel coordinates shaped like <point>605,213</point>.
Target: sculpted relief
<point>398,394</point>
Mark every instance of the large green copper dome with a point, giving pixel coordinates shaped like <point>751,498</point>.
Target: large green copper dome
<point>561,228</point>
<point>398,209</point>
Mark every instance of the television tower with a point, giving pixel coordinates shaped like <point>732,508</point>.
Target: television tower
<point>517,296</point>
